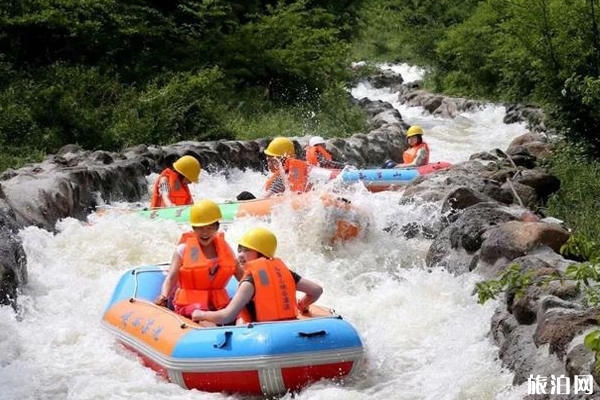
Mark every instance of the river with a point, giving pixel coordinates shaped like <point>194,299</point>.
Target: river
<point>425,335</point>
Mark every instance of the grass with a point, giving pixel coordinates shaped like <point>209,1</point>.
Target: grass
<point>578,200</point>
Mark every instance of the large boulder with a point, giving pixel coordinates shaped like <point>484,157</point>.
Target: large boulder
<point>534,144</point>
<point>455,248</point>
<point>515,239</point>
<point>558,326</point>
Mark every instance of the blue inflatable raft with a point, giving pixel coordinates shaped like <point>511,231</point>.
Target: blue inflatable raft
<point>257,358</point>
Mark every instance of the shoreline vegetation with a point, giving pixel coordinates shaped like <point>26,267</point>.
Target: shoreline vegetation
<point>111,74</point>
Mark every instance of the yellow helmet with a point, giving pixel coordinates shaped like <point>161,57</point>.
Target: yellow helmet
<point>261,240</point>
<point>280,147</point>
<point>189,167</point>
<point>414,130</point>
<point>205,212</point>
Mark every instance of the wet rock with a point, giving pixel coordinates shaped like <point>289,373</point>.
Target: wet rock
<point>515,239</point>
<point>460,199</point>
<point>558,327</point>
<point>484,156</point>
<point>534,144</point>
<point>373,108</point>
<point>524,159</point>
<point>521,355</point>
<point>580,361</point>
<point>518,113</point>
<point>522,194</point>
<point>543,183</point>
<point>502,325</point>
<point>545,288</point>
<point>13,271</point>
<point>493,190</point>
<point>445,107</point>
<point>385,78</point>
<point>468,229</point>
<point>69,148</point>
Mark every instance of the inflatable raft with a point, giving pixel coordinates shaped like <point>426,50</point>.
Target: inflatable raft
<point>257,359</point>
<point>347,220</point>
<point>376,180</point>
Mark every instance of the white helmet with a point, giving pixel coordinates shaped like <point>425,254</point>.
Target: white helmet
<point>315,140</point>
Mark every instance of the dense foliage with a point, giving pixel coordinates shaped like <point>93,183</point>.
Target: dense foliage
<point>545,52</point>
<point>110,73</point>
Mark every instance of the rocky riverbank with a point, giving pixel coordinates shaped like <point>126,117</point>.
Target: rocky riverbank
<point>489,219</point>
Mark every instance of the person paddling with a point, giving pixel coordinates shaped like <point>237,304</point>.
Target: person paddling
<point>268,287</point>
<point>171,187</point>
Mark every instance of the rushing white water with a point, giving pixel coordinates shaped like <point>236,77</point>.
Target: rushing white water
<point>424,333</point>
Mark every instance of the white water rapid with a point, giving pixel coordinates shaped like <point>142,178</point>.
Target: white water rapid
<point>424,332</point>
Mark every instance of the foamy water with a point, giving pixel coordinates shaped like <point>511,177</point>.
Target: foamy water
<point>424,333</point>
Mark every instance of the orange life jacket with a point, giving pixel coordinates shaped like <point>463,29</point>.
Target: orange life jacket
<point>297,176</point>
<point>179,193</point>
<point>196,283</point>
<point>409,155</point>
<point>274,289</point>
<point>311,154</point>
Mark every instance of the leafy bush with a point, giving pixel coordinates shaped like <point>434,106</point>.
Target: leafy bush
<point>183,106</point>
<point>578,200</point>
<point>253,116</point>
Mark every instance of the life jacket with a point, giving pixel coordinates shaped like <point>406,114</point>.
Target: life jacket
<point>196,282</point>
<point>409,155</point>
<point>274,289</point>
<point>179,193</point>
<point>298,175</point>
<point>311,155</point>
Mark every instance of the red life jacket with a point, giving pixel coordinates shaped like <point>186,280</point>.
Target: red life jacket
<point>200,279</point>
<point>274,290</point>
<point>179,193</point>
<point>311,155</point>
<point>409,155</point>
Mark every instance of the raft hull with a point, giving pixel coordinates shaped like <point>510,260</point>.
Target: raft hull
<point>376,180</point>
<point>349,221</point>
<point>257,359</point>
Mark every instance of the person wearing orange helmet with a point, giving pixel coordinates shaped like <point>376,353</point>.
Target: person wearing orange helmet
<point>318,156</point>
<point>171,187</point>
<point>268,287</point>
<point>418,153</point>
<point>201,265</point>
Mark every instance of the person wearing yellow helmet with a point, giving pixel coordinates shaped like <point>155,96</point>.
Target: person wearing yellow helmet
<point>418,153</point>
<point>171,187</point>
<point>268,287</point>
<point>201,265</point>
<point>287,172</point>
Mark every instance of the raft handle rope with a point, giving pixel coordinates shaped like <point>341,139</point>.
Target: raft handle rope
<point>136,272</point>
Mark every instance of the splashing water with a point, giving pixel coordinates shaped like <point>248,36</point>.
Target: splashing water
<point>424,333</point>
